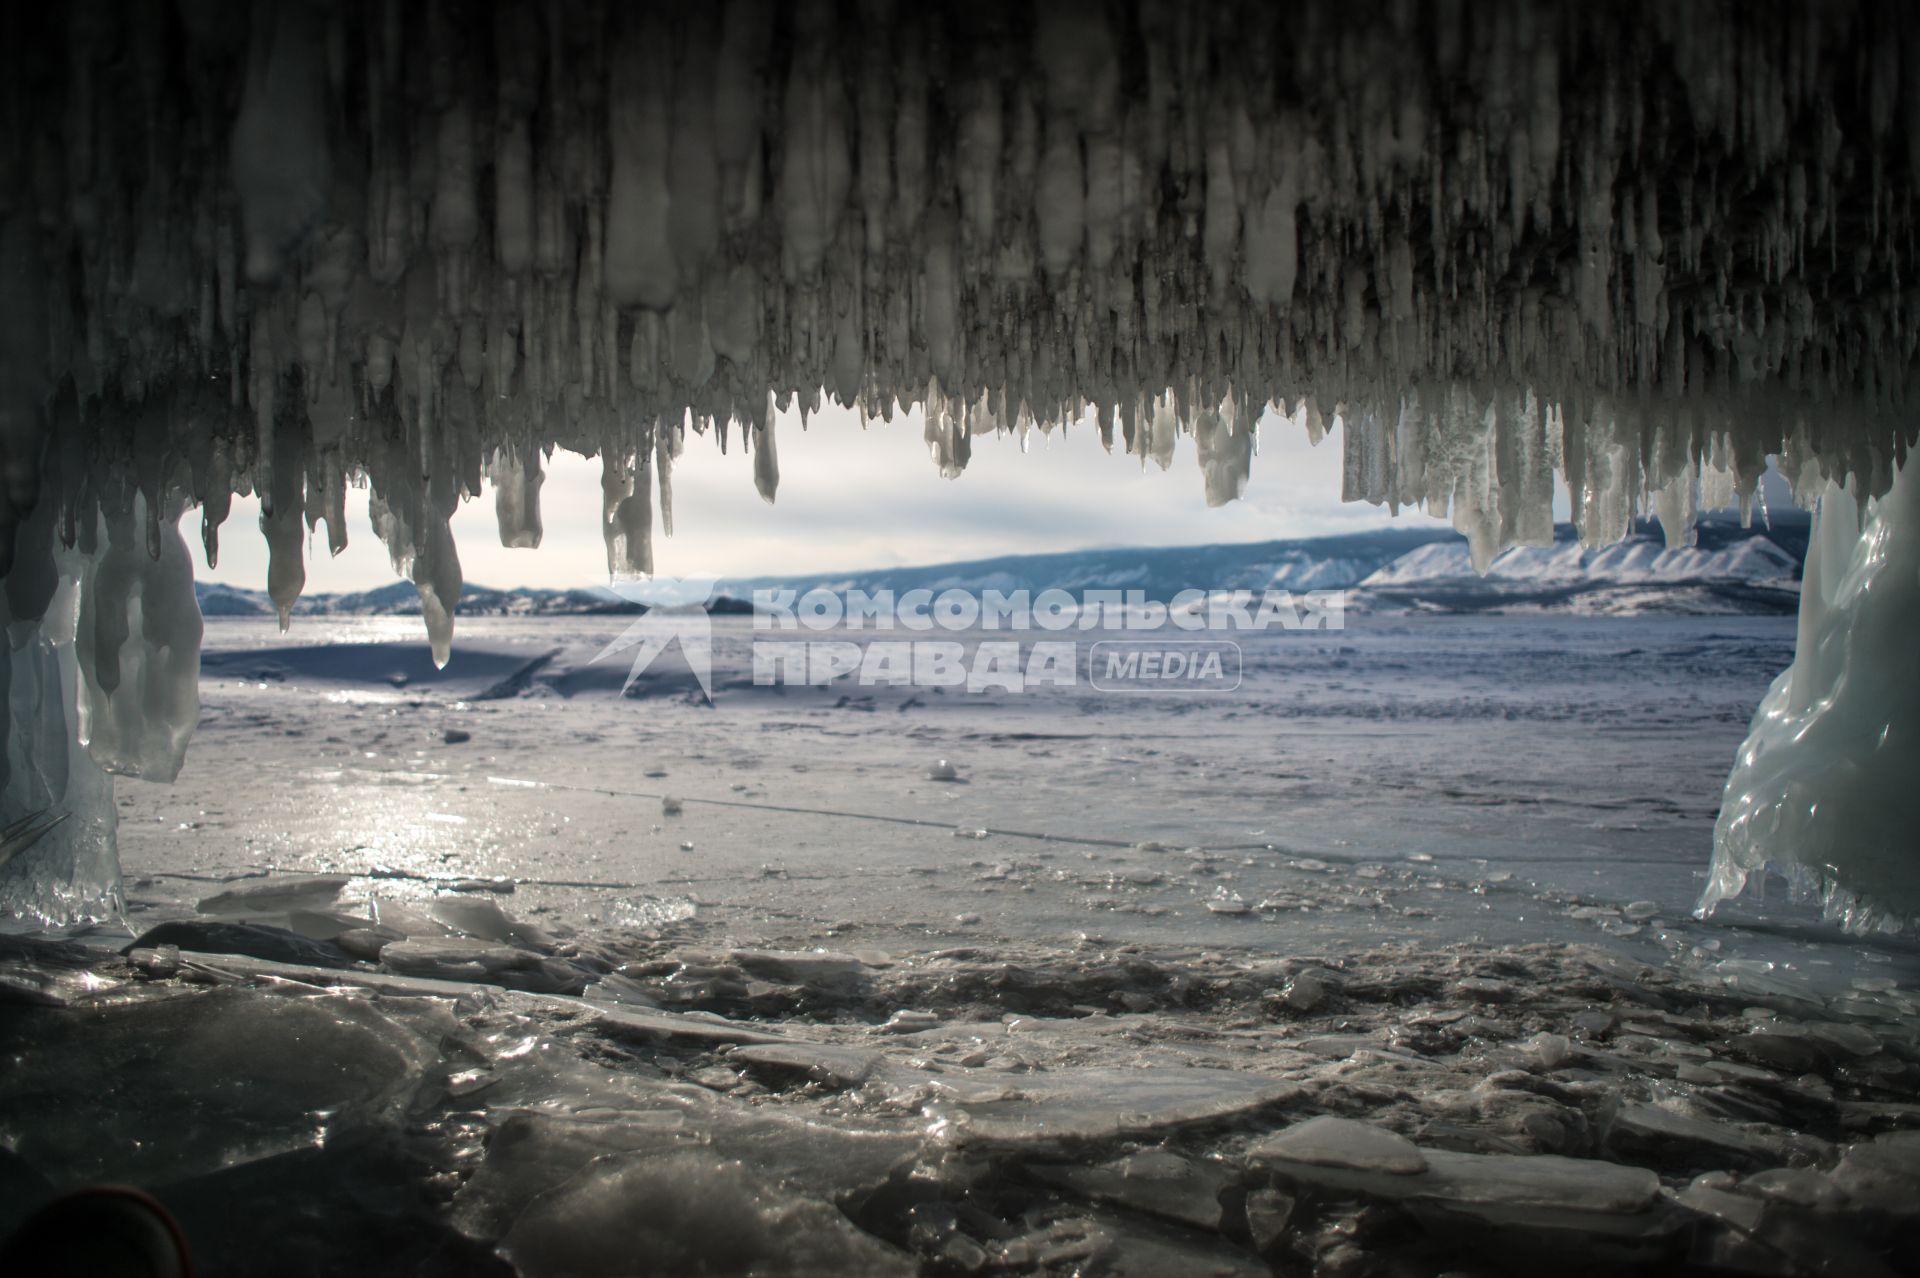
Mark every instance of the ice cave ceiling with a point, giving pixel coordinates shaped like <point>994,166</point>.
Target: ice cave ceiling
<point>290,247</point>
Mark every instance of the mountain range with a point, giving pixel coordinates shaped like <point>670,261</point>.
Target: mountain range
<point>1728,569</point>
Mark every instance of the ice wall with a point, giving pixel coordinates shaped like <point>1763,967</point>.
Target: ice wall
<point>299,248</point>
<point>1823,790</point>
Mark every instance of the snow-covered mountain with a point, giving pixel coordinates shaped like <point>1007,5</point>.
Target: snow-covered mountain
<point>1160,572</point>
<point>1729,568</point>
<point>1639,559</point>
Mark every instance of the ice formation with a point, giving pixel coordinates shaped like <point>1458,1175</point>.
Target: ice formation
<point>1823,788</point>
<point>289,249</point>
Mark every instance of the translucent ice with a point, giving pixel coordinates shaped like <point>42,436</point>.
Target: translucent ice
<point>687,1211</point>
<point>241,1077</point>
<point>72,870</point>
<point>1822,789</point>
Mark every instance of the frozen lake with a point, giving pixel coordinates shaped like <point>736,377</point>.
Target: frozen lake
<point>1384,958</point>
<point>1420,777</point>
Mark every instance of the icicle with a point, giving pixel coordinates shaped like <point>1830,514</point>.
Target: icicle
<point>627,516</point>
<point>516,496</point>
<point>1226,455</point>
<point>766,462</point>
<point>138,650</point>
<point>436,574</point>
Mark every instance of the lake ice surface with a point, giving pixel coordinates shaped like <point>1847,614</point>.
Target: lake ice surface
<point>1420,777</point>
<point>738,987</point>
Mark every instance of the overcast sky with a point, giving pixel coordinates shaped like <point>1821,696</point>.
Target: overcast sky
<point>854,499</point>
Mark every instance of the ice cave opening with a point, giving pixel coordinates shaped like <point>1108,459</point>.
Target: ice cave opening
<point>1501,254</point>
<point>300,249</point>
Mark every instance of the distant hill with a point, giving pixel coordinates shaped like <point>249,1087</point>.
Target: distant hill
<point>400,599</point>
<point>1729,568</point>
<point>1161,572</point>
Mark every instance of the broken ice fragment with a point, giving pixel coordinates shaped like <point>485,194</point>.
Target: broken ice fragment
<point>1552,1049</point>
<point>1541,1191</point>
<point>687,1211</point>
<point>1641,1131</point>
<point>1593,1022</point>
<point>366,942</point>
<point>1101,1103</point>
<point>1153,1181</point>
<point>457,959</point>
<point>405,919</point>
<point>276,894</point>
<point>275,943</point>
<point>1304,993</point>
<point>1341,1143</point>
<point>1268,1212</point>
<point>478,916</point>
<point>803,967</point>
<point>838,1067</point>
<point>1883,1174</point>
<point>195,1082</point>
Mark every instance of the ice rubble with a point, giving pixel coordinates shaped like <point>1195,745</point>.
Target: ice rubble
<point>1044,1109</point>
<point>289,249</point>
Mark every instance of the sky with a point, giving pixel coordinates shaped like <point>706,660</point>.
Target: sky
<point>852,498</point>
